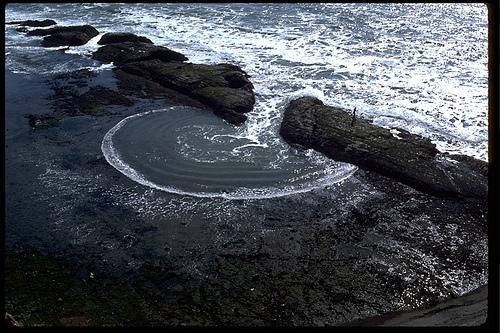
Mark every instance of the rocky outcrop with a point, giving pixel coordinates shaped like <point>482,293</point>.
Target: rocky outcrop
<point>122,53</point>
<point>405,157</point>
<point>65,36</point>
<point>147,70</point>
<point>222,88</point>
<point>121,37</point>
<point>34,23</point>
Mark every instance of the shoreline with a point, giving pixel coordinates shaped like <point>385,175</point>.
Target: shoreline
<point>363,246</point>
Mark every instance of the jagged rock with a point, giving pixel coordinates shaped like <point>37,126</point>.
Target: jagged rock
<point>121,37</point>
<point>34,23</point>
<point>121,53</point>
<point>410,159</point>
<point>22,29</point>
<point>65,36</point>
<point>224,88</point>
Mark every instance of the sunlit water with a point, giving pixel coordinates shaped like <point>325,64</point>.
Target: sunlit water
<point>421,67</point>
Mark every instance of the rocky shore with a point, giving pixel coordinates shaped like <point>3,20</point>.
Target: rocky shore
<point>395,153</point>
<point>222,88</point>
<point>407,231</point>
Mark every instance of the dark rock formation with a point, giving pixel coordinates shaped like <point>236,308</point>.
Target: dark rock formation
<point>121,53</point>
<point>69,36</point>
<point>228,103</point>
<point>145,69</point>
<point>22,29</point>
<point>410,159</point>
<point>130,84</point>
<point>86,29</point>
<point>34,23</point>
<point>224,88</point>
<point>121,37</point>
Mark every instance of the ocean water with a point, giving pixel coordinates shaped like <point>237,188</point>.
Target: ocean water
<point>420,67</point>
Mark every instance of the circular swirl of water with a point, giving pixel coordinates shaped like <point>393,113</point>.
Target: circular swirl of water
<point>189,151</point>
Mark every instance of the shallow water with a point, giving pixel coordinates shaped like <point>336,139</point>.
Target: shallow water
<point>189,151</point>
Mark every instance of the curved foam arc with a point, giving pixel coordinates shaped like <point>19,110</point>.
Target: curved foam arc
<point>114,158</point>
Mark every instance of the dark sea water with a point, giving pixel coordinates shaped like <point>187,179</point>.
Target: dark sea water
<point>420,67</point>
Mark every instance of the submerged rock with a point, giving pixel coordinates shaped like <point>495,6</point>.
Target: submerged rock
<point>75,95</point>
<point>65,36</point>
<point>408,158</point>
<point>121,37</point>
<point>41,121</point>
<point>34,23</point>
<point>95,98</point>
<point>124,52</point>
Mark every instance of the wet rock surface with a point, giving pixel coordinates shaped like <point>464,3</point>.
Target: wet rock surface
<point>138,86</point>
<point>223,88</point>
<point>113,37</point>
<point>74,96</point>
<point>22,29</point>
<point>404,157</point>
<point>65,36</point>
<point>125,52</point>
<point>150,71</point>
<point>367,247</point>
